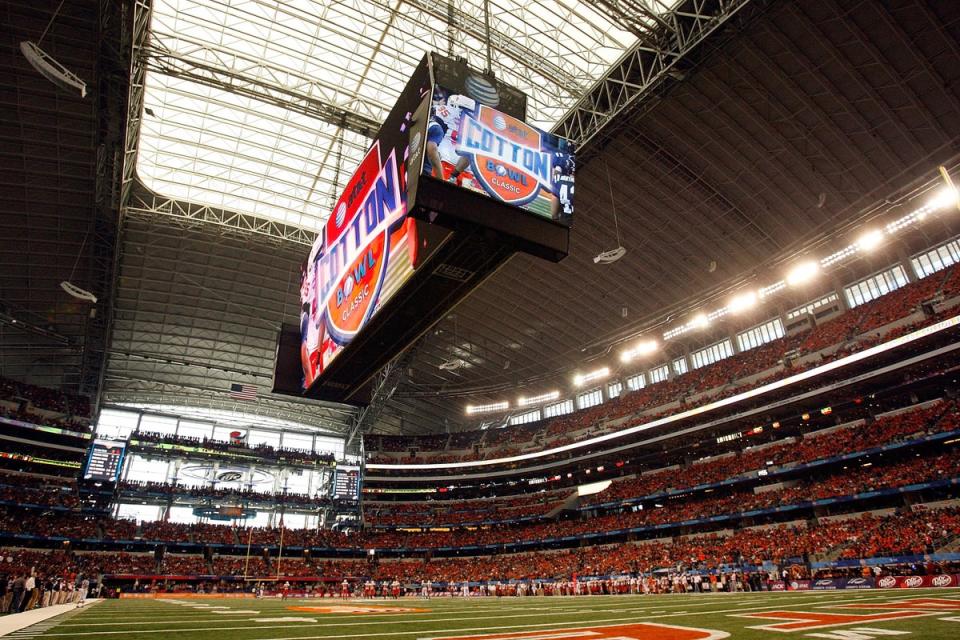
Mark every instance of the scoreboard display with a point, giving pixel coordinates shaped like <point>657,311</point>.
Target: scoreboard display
<point>104,460</point>
<point>346,483</point>
<point>454,183</point>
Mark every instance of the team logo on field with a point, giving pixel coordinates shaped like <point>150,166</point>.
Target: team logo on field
<point>355,609</point>
<point>789,621</point>
<point>640,631</point>
<point>506,156</point>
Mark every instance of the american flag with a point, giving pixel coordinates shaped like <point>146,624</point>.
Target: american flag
<point>243,392</point>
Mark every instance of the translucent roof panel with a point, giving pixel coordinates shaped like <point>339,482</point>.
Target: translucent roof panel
<point>216,129</point>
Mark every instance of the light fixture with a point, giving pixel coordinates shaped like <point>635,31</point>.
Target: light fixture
<point>803,272</point>
<point>486,408</point>
<point>870,240</point>
<point>49,68</point>
<point>598,374</point>
<point>642,348</point>
<point>543,397</point>
<point>700,320</point>
<point>742,301</point>
<point>945,197</point>
<point>611,255</point>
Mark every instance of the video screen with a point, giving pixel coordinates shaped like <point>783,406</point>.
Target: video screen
<point>495,154</point>
<point>104,460</point>
<point>369,246</point>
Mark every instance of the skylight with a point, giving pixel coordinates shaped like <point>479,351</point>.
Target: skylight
<point>211,136</point>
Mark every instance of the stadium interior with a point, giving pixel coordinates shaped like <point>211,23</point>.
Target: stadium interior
<point>759,393</point>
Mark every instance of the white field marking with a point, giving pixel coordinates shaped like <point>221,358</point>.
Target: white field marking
<point>286,619</point>
<point>223,613</point>
<point>951,619</point>
<point>404,620</point>
<point>712,634</point>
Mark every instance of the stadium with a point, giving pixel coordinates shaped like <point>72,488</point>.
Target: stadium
<point>625,319</point>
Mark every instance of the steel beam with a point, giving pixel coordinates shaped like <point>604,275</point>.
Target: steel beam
<point>662,44</point>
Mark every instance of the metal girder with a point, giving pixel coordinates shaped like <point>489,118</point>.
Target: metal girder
<point>645,66</point>
<point>148,205</point>
<point>104,229</point>
<point>338,419</point>
<point>385,383</point>
<point>473,25</point>
<point>285,90</point>
<point>138,72</point>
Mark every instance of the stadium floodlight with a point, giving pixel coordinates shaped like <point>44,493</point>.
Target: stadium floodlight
<point>870,240</point>
<point>543,397</point>
<point>742,301</point>
<point>487,408</point>
<point>51,69</point>
<point>700,321</point>
<point>946,197</point>
<point>597,374</point>
<point>643,348</point>
<point>802,273</point>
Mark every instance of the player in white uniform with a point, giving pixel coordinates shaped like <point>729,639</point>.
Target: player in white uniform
<point>443,133</point>
<point>426,589</point>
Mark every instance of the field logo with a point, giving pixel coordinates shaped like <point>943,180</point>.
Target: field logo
<point>789,621</point>
<point>506,156</point>
<point>640,631</point>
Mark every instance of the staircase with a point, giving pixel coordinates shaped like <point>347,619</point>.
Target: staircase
<point>570,504</point>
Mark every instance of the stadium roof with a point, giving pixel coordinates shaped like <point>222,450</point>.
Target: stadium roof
<point>265,107</point>
<point>753,140</point>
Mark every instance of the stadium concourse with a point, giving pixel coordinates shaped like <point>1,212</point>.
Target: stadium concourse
<point>710,392</point>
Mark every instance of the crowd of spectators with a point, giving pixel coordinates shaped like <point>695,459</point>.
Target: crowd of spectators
<point>40,405</point>
<point>420,514</point>
<point>936,418</point>
<point>712,382</point>
<point>884,473</point>
<point>909,532</point>
<point>17,489</point>
<point>262,451</point>
<point>220,495</point>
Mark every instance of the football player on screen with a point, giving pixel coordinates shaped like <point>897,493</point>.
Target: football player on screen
<point>442,135</point>
<point>563,185</point>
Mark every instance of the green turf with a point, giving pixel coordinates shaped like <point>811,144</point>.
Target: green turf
<point>146,619</point>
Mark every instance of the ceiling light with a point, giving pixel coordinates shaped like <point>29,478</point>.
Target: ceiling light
<point>742,301</point>
<point>642,348</point>
<point>543,397</point>
<point>700,320</point>
<point>870,240</point>
<point>597,374</point>
<point>945,197</point>
<point>486,408</point>
<point>803,272</point>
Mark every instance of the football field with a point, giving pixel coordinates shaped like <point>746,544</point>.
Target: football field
<point>842,615</point>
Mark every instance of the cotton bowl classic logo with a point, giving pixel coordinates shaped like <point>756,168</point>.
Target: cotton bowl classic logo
<point>352,266</point>
<point>506,156</point>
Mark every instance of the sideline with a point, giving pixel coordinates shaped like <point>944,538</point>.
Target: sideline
<point>14,622</point>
